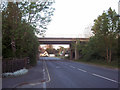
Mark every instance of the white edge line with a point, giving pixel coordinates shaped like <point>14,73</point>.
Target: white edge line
<point>105,78</point>
<point>44,84</point>
<point>34,83</point>
<point>48,73</point>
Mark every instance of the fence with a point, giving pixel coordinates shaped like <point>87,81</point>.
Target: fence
<point>14,65</point>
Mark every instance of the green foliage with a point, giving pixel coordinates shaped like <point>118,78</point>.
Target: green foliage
<point>19,22</point>
<point>38,14</point>
<point>104,44</point>
<point>92,50</point>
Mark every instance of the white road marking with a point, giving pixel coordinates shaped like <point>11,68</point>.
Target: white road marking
<point>89,73</point>
<point>72,66</point>
<point>44,75</point>
<point>44,83</point>
<point>98,75</point>
<point>105,78</point>
<point>47,73</point>
<point>34,83</point>
<point>82,70</point>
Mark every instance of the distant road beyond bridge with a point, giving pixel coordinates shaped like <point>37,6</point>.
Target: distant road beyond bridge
<point>64,41</point>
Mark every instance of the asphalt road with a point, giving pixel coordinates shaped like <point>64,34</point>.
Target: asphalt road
<point>69,74</point>
<point>53,72</point>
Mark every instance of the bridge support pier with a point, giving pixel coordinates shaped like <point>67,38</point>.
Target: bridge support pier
<point>71,52</point>
<point>76,51</point>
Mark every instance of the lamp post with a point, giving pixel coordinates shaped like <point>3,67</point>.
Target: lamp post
<point>118,9</point>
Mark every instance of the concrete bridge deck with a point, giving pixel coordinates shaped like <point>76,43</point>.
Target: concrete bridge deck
<point>61,40</point>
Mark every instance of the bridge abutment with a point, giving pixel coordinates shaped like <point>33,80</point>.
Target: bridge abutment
<point>76,53</point>
<point>71,52</point>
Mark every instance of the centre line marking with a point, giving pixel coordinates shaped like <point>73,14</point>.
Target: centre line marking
<point>72,66</point>
<point>105,78</point>
<point>82,70</point>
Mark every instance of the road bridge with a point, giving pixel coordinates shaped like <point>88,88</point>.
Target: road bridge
<point>64,41</point>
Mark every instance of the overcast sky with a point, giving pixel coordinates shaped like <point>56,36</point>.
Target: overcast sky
<point>73,18</point>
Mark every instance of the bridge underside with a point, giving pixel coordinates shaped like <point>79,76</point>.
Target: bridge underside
<point>65,41</point>
<point>56,42</point>
<point>72,53</point>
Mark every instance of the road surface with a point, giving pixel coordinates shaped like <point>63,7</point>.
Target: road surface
<point>53,72</point>
<point>69,74</point>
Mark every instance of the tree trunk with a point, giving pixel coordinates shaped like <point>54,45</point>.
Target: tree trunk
<point>13,47</point>
<point>107,54</point>
<point>110,54</point>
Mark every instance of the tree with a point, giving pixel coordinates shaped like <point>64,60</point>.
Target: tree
<point>19,31</point>
<point>11,20</point>
<point>50,49</point>
<point>38,14</point>
<point>106,29</point>
<point>104,43</point>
